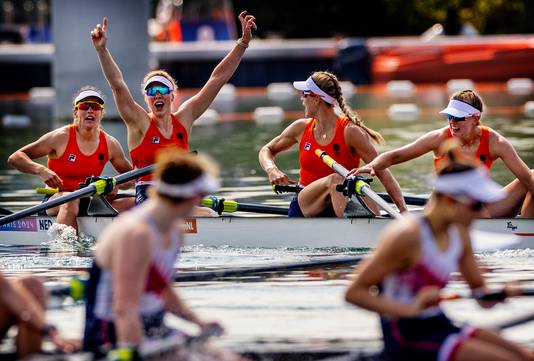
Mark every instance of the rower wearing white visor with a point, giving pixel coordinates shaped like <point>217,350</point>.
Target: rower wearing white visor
<point>464,113</point>
<point>75,152</point>
<point>130,285</point>
<point>163,125</point>
<point>414,260</point>
<point>344,137</point>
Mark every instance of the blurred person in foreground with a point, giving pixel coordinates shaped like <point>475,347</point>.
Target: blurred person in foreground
<point>464,113</point>
<point>23,304</point>
<point>344,137</point>
<point>75,152</point>
<point>160,126</point>
<point>414,260</point>
<point>130,288</point>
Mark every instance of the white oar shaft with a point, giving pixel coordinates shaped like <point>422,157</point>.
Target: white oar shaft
<point>363,187</point>
<point>378,200</point>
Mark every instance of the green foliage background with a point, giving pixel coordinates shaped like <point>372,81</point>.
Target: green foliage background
<point>308,19</point>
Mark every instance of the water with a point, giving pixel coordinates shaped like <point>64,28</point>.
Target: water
<point>297,311</point>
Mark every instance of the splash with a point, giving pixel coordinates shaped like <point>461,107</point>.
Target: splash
<point>64,238</point>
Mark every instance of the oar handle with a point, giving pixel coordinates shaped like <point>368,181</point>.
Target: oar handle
<point>221,205</point>
<point>361,186</point>
<point>97,187</point>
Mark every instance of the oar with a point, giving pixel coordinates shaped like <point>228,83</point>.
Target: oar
<point>221,205</point>
<point>410,200</point>
<point>76,286</point>
<point>98,187</point>
<point>362,188</point>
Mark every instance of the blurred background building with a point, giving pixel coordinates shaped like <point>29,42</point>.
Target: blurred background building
<point>422,41</point>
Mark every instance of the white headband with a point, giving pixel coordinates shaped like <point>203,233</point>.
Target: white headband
<point>159,79</point>
<point>87,94</point>
<point>459,109</point>
<point>204,184</point>
<point>309,85</point>
<point>474,183</point>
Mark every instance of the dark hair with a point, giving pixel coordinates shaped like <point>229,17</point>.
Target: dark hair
<point>176,166</point>
<point>329,83</point>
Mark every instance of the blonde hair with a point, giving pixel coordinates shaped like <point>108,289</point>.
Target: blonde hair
<point>470,97</point>
<point>161,72</point>
<point>329,83</point>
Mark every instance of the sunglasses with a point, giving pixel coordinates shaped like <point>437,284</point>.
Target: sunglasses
<point>456,119</point>
<point>87,105</point>
<point>163,90</point>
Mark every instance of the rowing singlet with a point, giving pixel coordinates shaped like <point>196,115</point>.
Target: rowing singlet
<point>160,274</point>
<point>73,167</point>
<point>311,166</point>
<point>482,154</point>
<point>145,153</point>
<point>433,269</point>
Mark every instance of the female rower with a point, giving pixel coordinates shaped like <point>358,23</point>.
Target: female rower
<point>414,260</point>
<point>160,127</point>
<point>23,303</point>
<point>75,152</point>
<point>345,138</point>
<point>464,113</point>
<point>130,285</point>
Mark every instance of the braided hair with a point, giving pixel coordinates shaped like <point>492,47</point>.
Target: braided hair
<point>329,83</point>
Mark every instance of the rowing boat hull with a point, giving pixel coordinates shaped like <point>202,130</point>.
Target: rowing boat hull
<point>265,232</point>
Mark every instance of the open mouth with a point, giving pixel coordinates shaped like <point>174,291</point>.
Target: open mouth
<point>90,118</point>
<point>159,105</point>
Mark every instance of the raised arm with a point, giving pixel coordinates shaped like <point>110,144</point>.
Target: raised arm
<point>22,159</point>
<point>424,144</point>
<point>189,111</point>
<point>131,112</point>
<point>289,137</point>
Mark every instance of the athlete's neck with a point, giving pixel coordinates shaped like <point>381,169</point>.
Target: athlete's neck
<point>164,213</point>
<point>87,133</point>
<point>326,119</point>
<point>436,218</point>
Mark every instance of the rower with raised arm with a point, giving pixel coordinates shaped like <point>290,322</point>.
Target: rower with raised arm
<point>149,131</point>
<point>75,152</point>
<point>23,303</point>
<point>345,137</point>
<point>464,113</point>
<point>130,287</point>
<point>414,260</point>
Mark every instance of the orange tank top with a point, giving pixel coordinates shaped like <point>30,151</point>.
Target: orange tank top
<point>145,153</point>
<point>311,166</point>
<point>482,154</point>
<point>73,167</point>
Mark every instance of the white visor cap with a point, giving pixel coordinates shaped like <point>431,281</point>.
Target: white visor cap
<point>159,79</point>
<point>459,109</point>
<point>309,85</point>
<point>88,94</point>
<point>474,183</point>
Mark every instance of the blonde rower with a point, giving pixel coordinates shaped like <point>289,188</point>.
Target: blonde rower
<point>464,113</point>
<point>344,137</point>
